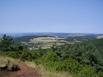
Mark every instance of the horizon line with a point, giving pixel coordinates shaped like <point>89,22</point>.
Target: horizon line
<point>50,32</point>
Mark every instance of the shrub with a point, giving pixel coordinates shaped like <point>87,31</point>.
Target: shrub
<point>86,71</point>
<point>51,56</point>
<point>71,65</point>
<point>100,73</point>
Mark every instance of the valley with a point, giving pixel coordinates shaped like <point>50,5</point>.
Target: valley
<point>52,56</point>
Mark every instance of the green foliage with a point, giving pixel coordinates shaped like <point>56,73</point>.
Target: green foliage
<point>23,55</point>
<point>53,66</point>
<point>50,56</point>
<point>100,73</point>
<point>50,60</point>
<point>86,71</point>
<point>71,65</point>
<point>13,54</point>
<point>82,59</point>
<point>7,43</point>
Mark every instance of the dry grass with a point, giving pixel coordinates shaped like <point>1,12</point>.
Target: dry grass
<point>4,59</point>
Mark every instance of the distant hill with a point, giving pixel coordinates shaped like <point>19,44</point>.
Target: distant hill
<point>67,36</point>
<point>100,37</point>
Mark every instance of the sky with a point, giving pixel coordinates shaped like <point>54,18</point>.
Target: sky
<point>67,16</point>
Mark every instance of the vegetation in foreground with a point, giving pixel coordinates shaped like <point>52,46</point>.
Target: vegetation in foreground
<point>80,59</point>
<point>46,73</point>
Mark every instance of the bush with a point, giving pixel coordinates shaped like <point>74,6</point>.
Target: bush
<point>71,65</point>
<point>54,66</point>
<point>50,56</point>
<point>100,73</point>
<point>86,71</point>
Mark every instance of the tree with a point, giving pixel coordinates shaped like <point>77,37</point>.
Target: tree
<point>6,43</point>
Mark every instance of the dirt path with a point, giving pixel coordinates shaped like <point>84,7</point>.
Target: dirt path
<point>25,71</point>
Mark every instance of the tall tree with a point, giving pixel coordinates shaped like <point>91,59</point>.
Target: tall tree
<point>6,42</point>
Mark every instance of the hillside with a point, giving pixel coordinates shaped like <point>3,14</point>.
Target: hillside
<point>47,40</point>
<point>80,59</point>
<point>23,71</point>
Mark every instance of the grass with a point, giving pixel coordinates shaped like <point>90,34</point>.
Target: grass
<point>46,73</point>
<point>4,60</point>
<point>40,68</point>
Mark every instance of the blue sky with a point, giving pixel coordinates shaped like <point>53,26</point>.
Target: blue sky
<point>70,16</point>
